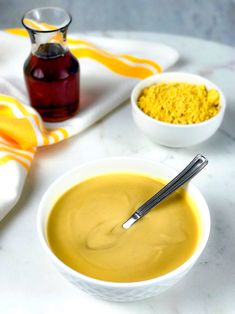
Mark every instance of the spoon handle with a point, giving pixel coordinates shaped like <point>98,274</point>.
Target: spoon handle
<point>193,168</point>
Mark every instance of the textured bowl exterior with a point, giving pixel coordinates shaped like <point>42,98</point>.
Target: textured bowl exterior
<point>123,294</point>
<point>113,291</point>
<point>175,135</point>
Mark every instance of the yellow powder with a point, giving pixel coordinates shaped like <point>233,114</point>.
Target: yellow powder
<point>179,103</point>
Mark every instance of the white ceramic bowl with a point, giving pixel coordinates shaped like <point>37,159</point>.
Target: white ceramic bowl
<point>112,291</point>
<point>176,135</point>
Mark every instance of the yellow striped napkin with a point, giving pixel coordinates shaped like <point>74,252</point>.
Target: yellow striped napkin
<point>22,130</point>
<point>122,64</point>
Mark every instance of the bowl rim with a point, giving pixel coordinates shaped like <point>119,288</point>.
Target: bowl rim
<point>67,269</point>
<point>159,78</point>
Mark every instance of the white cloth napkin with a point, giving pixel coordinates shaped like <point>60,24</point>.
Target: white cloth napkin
<point>101,92</point>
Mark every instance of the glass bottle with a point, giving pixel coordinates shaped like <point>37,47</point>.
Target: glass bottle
<point>51,72</point>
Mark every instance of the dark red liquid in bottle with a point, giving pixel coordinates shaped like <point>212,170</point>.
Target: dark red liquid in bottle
<point>52,80</point>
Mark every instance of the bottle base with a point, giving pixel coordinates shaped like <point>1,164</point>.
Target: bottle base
<point>58,117</point>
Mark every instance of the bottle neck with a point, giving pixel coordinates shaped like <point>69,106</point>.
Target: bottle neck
<point>48,45</point>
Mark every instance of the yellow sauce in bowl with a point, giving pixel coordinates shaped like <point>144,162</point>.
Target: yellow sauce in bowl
<point>84,229</point>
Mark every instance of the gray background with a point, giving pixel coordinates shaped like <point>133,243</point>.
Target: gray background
<point>208,19</point>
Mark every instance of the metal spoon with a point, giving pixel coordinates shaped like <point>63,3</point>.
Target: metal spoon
<point>193,168</point>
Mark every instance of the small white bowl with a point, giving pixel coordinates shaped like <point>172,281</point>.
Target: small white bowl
<point>176,135</point>
<point>113,291</point>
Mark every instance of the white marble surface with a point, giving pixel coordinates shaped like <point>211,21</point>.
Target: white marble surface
<point>211,19</point>
<point>28,281</point>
